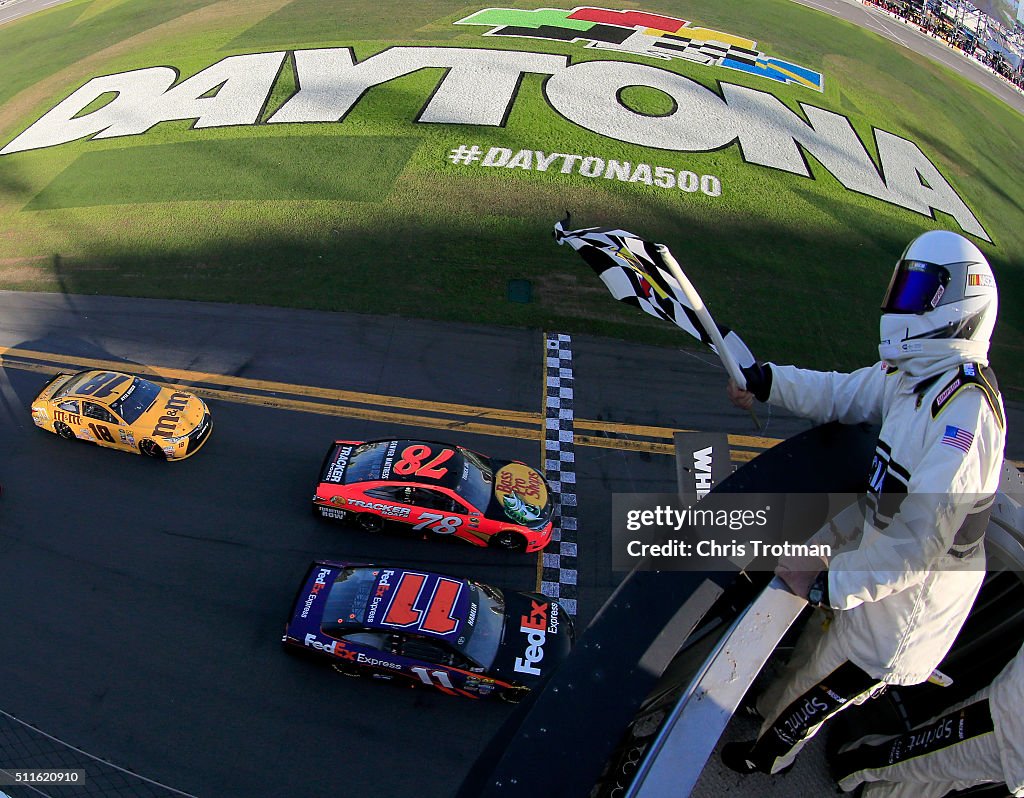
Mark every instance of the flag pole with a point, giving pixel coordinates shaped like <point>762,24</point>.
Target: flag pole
<point>708,323</point>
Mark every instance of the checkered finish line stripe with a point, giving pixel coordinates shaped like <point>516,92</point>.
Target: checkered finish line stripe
<point>559,566</point>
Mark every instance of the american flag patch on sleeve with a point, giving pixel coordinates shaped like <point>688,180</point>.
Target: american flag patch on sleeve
<point>958,438</point>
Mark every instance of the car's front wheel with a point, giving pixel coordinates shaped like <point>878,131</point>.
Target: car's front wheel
<point>152,449</point>
<point>509,541</point>
<point>369,522</point>
<point>64,431</point>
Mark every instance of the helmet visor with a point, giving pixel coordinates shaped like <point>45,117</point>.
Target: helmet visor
<point>916,287</point>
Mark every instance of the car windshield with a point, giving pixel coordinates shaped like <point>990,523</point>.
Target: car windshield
<point>365,463</point>
<point>481,644</point>
<point>136,400</point>
<point>475,482</point>
<point>345,608</point>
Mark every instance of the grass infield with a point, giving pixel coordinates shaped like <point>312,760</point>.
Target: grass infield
<point>369,214</point>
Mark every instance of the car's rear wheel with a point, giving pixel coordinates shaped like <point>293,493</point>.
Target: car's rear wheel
<point>64,431</point>
<point>509,541</point>
<point>369,522</point>
<point>152,449</point>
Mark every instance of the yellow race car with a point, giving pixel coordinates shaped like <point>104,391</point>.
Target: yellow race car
<point>123,412</point>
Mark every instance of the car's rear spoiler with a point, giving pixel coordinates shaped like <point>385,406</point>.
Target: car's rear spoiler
<point>336,461</point>
<point>54,383</point>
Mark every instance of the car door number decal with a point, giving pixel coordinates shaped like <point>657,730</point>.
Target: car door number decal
<point>436,617</point>
<point>412,462</point>
<point>101,432</point>
<point>425,677</point>
<point>439,523</point>
<point>102,385</point>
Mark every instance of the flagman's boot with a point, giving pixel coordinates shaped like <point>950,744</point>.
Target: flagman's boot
<point>735,756</point>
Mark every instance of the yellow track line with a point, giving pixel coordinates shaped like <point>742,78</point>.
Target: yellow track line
<point>51,363</point>
<point>476,419</point>
<point>271,386</point>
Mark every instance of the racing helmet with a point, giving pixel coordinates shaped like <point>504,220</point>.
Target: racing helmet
<point>942,299</point>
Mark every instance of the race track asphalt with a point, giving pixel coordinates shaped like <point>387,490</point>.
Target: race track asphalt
<point>144,601</point>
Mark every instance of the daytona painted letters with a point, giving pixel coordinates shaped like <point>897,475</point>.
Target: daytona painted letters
<point>479,87</point>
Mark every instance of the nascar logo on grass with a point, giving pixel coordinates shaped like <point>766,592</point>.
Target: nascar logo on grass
<point>480,86</point>
<point>652,35</point>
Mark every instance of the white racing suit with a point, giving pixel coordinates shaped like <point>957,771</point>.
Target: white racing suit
<point>979,741</point>
<point>903,592</point>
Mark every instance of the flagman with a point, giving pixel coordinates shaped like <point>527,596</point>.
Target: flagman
<point>902,592</point>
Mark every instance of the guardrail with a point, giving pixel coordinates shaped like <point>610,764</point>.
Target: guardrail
<point>697,721</point>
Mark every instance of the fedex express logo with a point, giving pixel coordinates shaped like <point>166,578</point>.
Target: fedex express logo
<point>383,586</point>
<point>319,583</point>
<point>339,649</point>
<point>478,86</point>
<point>336,648</point>
<point>536,626</point>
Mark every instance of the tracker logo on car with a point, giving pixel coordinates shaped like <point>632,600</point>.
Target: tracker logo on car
<point>384,509</point>
<point>535,627</point>
<point>338,465</point>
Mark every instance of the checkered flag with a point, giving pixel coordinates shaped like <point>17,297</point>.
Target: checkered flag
<point>636,273</point>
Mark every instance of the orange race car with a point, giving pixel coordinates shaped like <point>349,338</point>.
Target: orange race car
<point>123,412</point>
<point>436,488</point>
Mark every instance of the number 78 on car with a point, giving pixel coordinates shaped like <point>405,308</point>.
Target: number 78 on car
<point>437,489</point>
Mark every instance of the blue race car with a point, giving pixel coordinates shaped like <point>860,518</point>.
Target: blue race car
<point>456,635</point>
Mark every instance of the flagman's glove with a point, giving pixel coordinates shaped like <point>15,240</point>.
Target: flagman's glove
<point>759,380</point>
<point>817,596</point>
<point>806,578</point>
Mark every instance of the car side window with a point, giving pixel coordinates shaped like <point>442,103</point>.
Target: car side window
<point>378,640</point>
<point>423,649</point>
<point>433,651</point>
<point>458,506</point>
<point>433,500</point>
<point>389,493</point>
<point>69,406</point>
<point>93,410</point>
